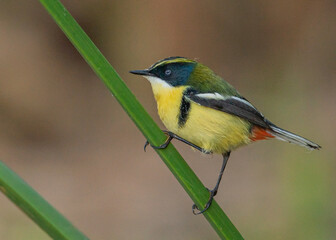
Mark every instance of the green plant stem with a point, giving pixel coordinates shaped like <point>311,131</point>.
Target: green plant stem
<point>38,209</point>
<point>183,173</point>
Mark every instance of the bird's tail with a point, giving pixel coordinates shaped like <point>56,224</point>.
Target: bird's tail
<point>287,136</point>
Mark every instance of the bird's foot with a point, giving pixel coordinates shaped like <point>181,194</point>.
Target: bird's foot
<point>164,145</point>
<point>196,210</point>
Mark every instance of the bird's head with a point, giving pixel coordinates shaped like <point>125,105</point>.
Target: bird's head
<point>179,71</point>
<point>174,71</point>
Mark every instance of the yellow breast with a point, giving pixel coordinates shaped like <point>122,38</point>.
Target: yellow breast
<point>207,128</point>
<point>214,130</point>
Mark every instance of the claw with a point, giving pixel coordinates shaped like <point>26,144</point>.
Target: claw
<point>207,205</point>
<point>162,146</point>
<point>146,144</point>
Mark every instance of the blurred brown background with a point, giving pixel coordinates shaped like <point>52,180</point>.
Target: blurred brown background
<point>63,132</point>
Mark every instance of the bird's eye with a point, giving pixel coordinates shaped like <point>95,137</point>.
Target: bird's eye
<point>168,72</point>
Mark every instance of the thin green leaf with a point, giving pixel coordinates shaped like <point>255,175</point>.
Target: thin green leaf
<point>38,209</point>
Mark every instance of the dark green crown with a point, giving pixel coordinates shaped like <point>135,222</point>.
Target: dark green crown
<point>171,60</point>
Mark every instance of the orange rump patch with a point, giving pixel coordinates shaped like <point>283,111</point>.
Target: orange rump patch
<point>259,133</point>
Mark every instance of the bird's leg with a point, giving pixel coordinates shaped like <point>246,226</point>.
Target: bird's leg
<point>170,137</point>
<point>213,192</point>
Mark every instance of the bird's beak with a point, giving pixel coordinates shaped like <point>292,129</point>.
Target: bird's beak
<point>142,72</point>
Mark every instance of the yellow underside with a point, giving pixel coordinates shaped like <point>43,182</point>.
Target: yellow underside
<point>207,128</point>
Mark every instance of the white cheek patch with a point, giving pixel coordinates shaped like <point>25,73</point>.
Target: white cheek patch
<point>158,81</point>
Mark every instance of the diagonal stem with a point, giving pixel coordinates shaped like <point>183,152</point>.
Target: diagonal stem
<point>183,173</point>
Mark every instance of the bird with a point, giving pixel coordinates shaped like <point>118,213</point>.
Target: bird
<point>201,109</point>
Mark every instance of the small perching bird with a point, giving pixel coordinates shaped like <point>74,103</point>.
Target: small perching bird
<point>202,110</point>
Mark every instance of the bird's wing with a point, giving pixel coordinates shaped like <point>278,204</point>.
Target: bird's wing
<point>230,104</point>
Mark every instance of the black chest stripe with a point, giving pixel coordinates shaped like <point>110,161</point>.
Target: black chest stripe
<point>184,108</point>
<point>184,112</point>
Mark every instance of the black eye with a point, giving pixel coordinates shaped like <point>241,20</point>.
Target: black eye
<point>168,72</point>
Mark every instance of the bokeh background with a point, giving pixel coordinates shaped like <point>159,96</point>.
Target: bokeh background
<point>65,134</point>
